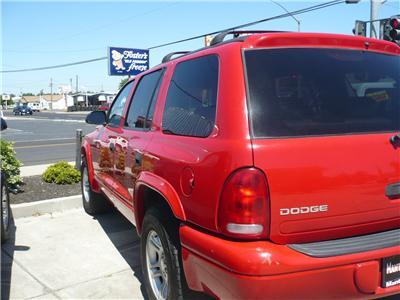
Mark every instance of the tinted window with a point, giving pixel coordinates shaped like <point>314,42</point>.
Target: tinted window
<point>117,108</point>
<point>192,97</point>
<point>296,92</point>
<point>145,95</point>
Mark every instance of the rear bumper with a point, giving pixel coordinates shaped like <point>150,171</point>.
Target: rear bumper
<point>259,270</point>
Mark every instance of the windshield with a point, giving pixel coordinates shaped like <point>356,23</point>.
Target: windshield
<point>298,92</point>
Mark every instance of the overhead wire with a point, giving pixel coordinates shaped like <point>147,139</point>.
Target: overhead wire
<point>285,15</point>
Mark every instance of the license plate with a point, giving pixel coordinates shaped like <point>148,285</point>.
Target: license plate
<point>390,271</point>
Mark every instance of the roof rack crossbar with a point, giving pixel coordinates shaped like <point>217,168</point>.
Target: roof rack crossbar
<point>219,38</point>
<point>169,56</point>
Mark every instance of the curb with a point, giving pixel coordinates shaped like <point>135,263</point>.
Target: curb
<point>46,206</point>
<point>27,171</point>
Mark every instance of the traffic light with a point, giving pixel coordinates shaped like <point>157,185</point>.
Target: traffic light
<point>395,31</point>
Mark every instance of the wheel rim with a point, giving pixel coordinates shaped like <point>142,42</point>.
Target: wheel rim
<point>85,185</point>
<point>156,266</point>
<point>5,207</point>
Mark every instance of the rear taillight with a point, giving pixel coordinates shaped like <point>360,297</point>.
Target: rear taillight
<point>244,205</point>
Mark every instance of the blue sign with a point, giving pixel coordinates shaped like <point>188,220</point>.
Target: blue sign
<point>126,61</point>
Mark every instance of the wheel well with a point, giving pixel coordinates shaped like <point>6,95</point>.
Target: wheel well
<point>151,199</point>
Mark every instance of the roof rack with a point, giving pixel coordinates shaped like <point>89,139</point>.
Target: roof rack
<point>219,38</point>
<point>169,56</point>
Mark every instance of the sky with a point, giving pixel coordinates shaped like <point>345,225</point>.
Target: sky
<point>46,33</point>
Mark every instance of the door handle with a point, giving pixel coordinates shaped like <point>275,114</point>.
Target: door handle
<point>112,147</point>
<point>393,191</point>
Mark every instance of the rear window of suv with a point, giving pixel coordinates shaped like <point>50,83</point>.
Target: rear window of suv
<point>301,92</point>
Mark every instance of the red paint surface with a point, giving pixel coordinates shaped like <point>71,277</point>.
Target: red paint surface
<point>347,173</point>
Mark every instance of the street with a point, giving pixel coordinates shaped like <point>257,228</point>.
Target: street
<point>45,137</point>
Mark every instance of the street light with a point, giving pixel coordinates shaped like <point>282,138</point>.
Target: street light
<point>281,6</point>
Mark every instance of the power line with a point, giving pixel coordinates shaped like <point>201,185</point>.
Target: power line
<point>285,15</point>
<point>104,26</point>
<point>297,12</point>
<point>56,66</point>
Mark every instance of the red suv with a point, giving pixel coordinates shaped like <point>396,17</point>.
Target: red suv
<point>265,166</point>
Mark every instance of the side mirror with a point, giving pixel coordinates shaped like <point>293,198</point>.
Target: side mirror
<point>3,124</point>
<point>96,117</point>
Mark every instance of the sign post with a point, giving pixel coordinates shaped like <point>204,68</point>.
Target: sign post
<point>6,98</point>
<point>127,61</point>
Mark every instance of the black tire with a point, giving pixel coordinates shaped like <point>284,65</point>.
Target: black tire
<point>5,224</point>
<point>167,231</point>
<point>93,203</point>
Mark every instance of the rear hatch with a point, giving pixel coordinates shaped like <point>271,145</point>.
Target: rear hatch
<point>321,122</point>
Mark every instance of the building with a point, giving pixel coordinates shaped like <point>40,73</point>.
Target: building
<point>92,99</point>
<point>47,101</point>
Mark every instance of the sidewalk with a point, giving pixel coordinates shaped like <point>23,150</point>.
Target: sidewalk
<point>56,251</point>
<point>72,255</point>
<point>37,169</point>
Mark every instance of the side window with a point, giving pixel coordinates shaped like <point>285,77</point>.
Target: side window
<point>117,108</point>
<point>140,113</point>
<point>192,98</point>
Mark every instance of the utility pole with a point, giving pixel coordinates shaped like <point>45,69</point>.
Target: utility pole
<point>374,26</point>
<point>70,84</point>
<point>76,83</point>
<point>51,93</point>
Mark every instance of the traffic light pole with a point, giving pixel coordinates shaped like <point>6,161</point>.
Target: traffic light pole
<point>374,26</point>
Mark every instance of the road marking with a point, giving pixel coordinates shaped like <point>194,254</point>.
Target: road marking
<point>44,140</point>
<point>45,119</point>
<point>15,133</point>
<point>13,129</point>
<point>43,146</point>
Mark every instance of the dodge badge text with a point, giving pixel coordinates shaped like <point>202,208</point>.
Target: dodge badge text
<point>303,210</point>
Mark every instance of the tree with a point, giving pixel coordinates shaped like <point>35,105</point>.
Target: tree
<point>28,94</point>
<point>122,82</point>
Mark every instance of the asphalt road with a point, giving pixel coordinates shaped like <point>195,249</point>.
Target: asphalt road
<point>45,137</point>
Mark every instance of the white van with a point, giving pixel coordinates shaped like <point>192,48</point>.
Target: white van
<point>35,106</point>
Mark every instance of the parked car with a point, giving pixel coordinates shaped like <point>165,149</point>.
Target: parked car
<point>104,107</point>
<point>5,200</point>
<point>254,168</point>
<point>22,110</point>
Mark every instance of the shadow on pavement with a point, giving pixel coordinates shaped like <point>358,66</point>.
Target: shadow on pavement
<point>7,258</point>
<point>125,239</point>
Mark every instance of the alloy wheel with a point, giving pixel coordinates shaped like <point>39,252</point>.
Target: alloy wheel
<point>85,185</point>
<point>156,266</point>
